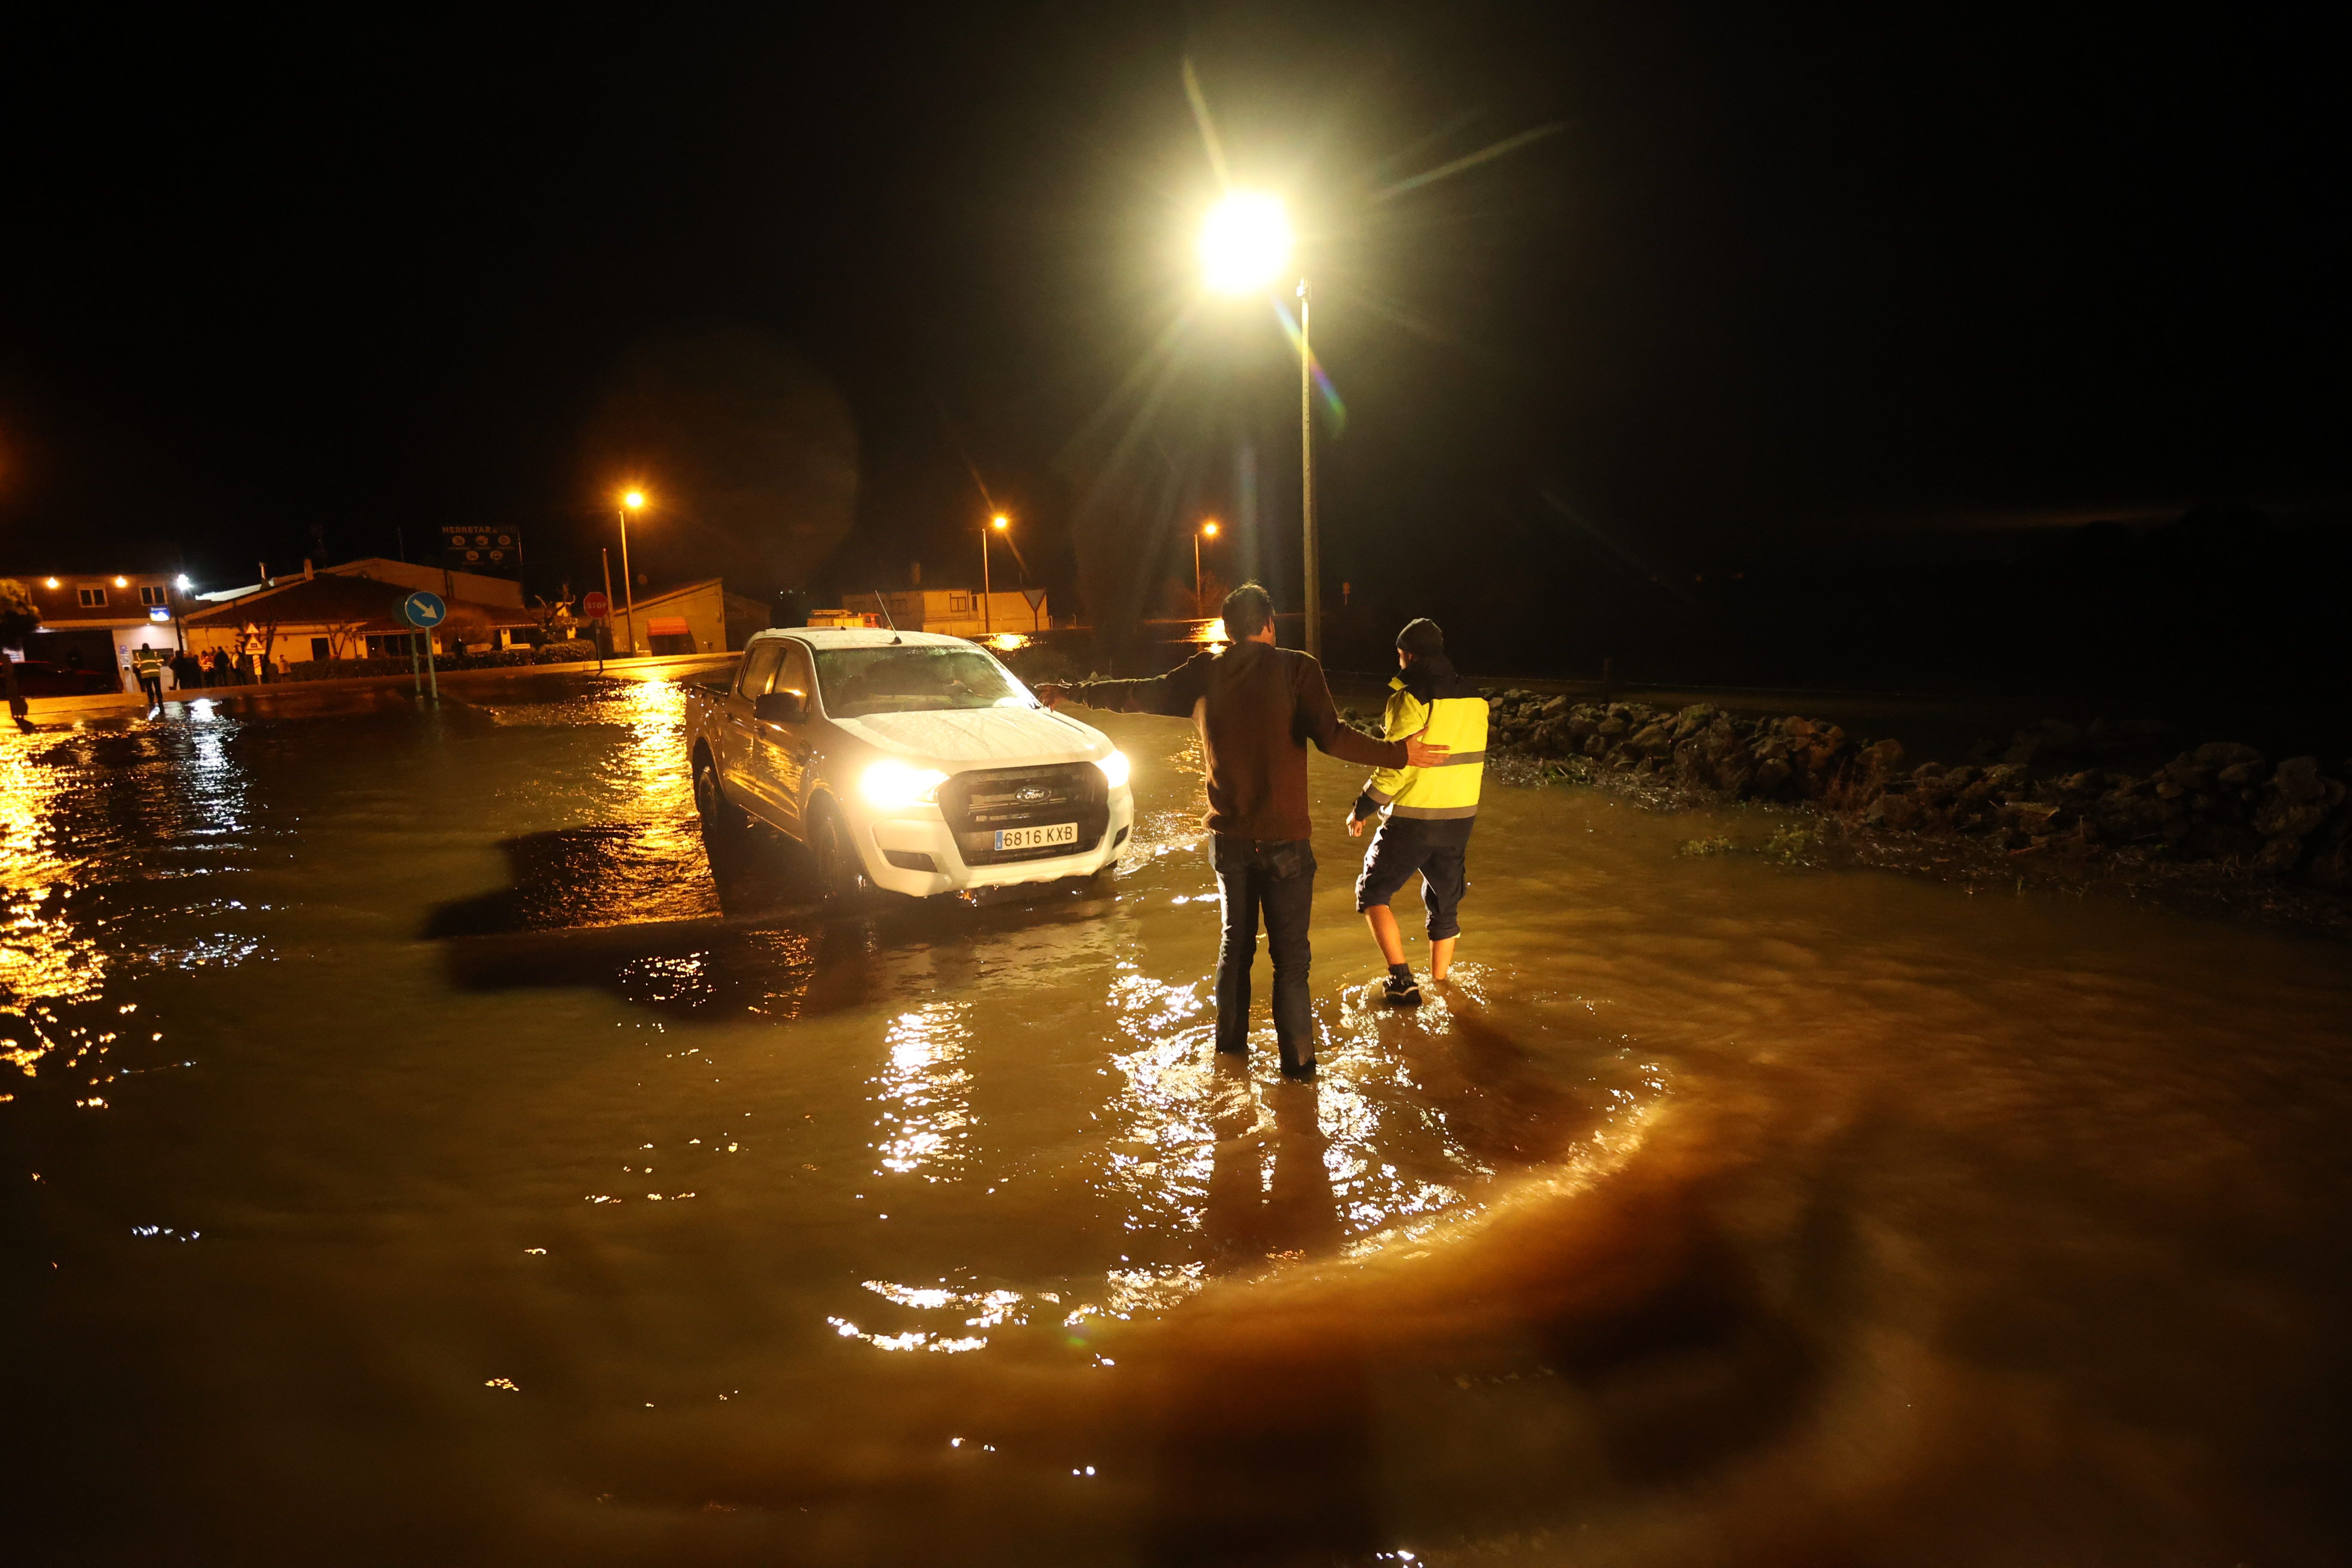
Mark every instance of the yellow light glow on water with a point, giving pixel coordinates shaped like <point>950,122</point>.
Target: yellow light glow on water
<point>1245,242</point>
<point>1210,631</point>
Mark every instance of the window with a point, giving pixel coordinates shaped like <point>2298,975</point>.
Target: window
<point>799,675</point>
<point>923,678</point>
<point>759,668</point>
<point>392,646</point>
<point>154,593</point>
<point>93,598</point>
<point>321,647</point>
<point>959,603</point>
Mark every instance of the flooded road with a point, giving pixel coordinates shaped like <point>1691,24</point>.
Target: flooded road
<point>412,1150</point>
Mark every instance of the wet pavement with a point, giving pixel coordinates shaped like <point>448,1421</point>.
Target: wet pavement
<point>412,1148</point>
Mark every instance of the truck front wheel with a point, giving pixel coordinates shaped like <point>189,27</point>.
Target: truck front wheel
<point>839,872</point>
<point>722,821</point>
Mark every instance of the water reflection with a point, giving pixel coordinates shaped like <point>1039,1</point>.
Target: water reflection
<point>101,828</point>
<point>924,1093</point>
<point>1839,1217</point>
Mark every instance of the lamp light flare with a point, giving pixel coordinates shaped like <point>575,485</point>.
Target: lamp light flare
<point>1245,242</point>
<point>635,501</point>
<point>1001,522</point>
<point>1210,528</point>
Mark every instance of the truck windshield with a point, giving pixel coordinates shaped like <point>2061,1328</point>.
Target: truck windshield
<point>855,682</point>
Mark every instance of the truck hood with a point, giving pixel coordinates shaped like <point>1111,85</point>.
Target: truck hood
<point>968,737</point>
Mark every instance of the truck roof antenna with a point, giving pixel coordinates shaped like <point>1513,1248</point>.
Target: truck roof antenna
<point>884,606</point>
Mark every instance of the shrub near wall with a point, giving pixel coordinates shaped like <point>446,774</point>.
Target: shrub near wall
<point>571,652</point>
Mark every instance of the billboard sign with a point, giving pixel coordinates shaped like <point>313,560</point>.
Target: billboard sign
<point>494,552</point>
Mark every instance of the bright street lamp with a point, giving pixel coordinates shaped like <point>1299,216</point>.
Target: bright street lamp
<point>1244,246</point>
<point>1208,530</point>
<point>1244,243</point>
<point>999,522</point>
<point>631,500</point>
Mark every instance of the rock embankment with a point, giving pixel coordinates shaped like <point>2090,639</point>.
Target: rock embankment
<point>2221,802</point>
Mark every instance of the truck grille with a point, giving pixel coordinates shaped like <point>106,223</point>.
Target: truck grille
<point>976,804</point>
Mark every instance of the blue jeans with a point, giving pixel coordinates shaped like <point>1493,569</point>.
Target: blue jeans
<point>1276,876</point>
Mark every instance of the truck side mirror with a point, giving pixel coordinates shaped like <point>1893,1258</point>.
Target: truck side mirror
<point>780,708</point>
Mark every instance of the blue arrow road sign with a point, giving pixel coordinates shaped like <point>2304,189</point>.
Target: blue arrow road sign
<point>423,610</point>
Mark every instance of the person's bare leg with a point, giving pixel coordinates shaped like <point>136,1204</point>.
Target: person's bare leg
<point>1385,932</point>
<point>1441,955</point>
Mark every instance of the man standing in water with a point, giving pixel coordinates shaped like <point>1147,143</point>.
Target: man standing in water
<point>1430,814</point>
<point>148,665</point>
<point>1256,706</point>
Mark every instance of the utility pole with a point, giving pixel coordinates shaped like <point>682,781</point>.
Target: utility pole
<point>628,584</point>
<point>604,642</point>
<point>1307,477</point>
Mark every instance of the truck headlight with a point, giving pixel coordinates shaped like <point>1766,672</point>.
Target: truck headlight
<point>1114,767</point>
<point>889,783</point>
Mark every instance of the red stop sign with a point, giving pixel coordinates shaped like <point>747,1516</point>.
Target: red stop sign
<point>595,606</point>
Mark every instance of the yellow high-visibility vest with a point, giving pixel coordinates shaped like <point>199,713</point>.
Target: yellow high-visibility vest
<point>1443,792</point>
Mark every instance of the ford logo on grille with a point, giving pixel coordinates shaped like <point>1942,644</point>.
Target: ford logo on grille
<point>1029,794</point>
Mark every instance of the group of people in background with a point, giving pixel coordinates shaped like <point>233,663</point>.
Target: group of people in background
<point>193,670</point>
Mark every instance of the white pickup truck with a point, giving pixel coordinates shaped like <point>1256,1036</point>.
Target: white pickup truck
<point>908,761</point>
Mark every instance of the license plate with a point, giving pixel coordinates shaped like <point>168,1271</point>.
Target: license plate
<point>1036,837</point>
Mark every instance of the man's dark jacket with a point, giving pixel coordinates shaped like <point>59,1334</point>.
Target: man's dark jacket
<point>1256,706</point>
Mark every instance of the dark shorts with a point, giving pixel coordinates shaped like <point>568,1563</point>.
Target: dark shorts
<point>1442,857</point>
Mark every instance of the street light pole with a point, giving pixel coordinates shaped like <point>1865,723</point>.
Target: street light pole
<point>1206,530</point>
<point>629,503</point>
<point>1307,477</point>
<point>999,522</point>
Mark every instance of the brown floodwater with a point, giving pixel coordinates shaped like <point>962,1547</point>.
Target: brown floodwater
<point>412,1150</point>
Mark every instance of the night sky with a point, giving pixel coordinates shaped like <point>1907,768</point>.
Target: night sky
<point>1762,278</point>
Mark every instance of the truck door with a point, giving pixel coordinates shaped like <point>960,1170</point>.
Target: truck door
<point>740,764</point>
<point>786,748</point>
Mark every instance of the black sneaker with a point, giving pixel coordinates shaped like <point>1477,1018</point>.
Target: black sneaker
<point>1403,991</point>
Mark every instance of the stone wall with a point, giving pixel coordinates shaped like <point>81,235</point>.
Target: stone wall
<point>2223,803</point>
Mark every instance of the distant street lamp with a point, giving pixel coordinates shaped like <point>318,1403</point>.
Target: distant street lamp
<point>998,524</point>
<point>1208,530</point>
<point>1244,246</point>
<point>632,500</point>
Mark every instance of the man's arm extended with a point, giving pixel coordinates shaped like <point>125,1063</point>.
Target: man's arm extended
<point>1172,694</point>
<point>1319,720</point>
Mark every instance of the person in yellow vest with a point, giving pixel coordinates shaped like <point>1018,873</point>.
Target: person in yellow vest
<point>147,663</point>
<point>1430,811</point>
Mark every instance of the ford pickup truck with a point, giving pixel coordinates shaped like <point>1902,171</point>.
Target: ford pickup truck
<point>910,762</point>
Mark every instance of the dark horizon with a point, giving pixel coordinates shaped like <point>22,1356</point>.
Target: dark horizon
<point>1749,287</point>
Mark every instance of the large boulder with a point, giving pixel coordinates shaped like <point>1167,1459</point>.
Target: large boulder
<point>2296,801</point>
<point>2219,754</point>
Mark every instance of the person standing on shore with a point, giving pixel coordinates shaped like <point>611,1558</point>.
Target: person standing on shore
<point>1430,812</point>
<point>1256,706</point>
<point>148,663</point>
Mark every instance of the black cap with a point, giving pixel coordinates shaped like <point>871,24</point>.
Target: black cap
<point>1421,638</point>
